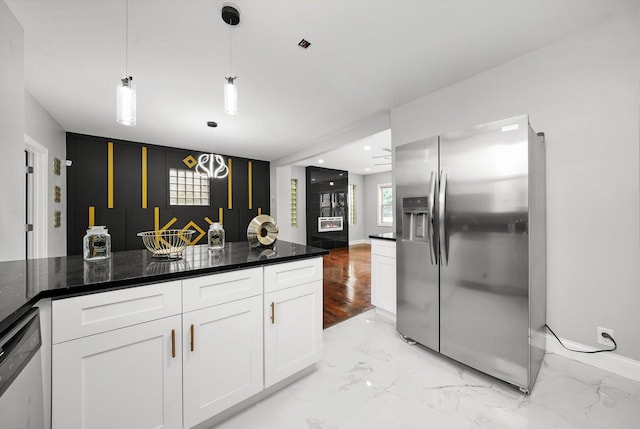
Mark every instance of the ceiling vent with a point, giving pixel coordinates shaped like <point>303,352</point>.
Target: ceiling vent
<point>304,44</point>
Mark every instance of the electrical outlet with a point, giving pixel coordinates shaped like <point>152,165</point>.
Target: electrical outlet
<point>605,341</point>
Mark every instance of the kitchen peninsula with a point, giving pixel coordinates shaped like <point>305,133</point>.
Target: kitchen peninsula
<point>184,340</point>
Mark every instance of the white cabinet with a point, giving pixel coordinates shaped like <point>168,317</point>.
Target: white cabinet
<point>222,357</point>
<point>292,318</point>
<point>124,378</point>
<point>116,359</point>
<point>383,276</point>
<point>176,354</point>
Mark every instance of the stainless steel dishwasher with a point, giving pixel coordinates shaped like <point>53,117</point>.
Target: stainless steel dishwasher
<point>21,397</point>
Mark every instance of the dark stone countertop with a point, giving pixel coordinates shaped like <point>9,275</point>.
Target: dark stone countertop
<point>23,283</point>
<point>391,236</point>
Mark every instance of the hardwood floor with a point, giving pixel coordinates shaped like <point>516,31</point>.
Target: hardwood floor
<point>347,283</point>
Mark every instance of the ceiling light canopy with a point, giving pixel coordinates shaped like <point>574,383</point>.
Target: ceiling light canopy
<point>125,91</point>
<point>231,16</point>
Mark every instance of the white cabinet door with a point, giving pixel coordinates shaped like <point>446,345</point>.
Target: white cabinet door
<point>383,282</point>
<point>125,378</point>
<point>292,330</point>
<point>223,358</point>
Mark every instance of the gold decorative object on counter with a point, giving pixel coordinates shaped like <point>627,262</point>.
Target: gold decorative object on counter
<point>262,231</point>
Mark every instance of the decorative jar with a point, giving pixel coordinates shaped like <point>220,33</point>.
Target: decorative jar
<point>96,244</point>
<point>215,236</point>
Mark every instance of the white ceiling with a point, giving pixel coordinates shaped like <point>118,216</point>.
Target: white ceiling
<point>366,56</point>
<point>369,155</point>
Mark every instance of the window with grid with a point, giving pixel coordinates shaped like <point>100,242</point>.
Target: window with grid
<point>385,205</point>
<point>188,188</point>
<point>352,204</point>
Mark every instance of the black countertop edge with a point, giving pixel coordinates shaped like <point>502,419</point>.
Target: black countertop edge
<point>391,236</point>
<point>8,320</point>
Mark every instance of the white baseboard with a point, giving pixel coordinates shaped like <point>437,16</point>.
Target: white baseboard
<point>354,242</point>
<point>612,362</point>
<point>387,314</point>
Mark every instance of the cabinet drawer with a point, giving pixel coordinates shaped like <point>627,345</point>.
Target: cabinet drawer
<point>100,312</point>
<point>206,291</point>
<point>290,274</point>
<point>383,248</point>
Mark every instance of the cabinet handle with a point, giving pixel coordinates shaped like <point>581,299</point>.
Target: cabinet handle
<point>273,313</point>
<point>173,343</point>
<point>192,341</point>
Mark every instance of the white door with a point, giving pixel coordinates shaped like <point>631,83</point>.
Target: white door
<point>36,211</point>
<point>292,330</point>
<point>128,378</point>
<point>28,192</point>
<point>222,357</point>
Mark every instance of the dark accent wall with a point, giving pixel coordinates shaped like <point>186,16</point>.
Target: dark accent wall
<point>327,195</point>
<point>87,182</point>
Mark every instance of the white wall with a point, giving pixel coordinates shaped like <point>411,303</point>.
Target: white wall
<point>43,128</point>
<point>12,194</point>
<point>371,183</point>
<point>583,92</point>
<point>297,234</point>
<point>356,231</point>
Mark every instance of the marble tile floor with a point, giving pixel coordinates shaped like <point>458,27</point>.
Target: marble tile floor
<point>369,378</point>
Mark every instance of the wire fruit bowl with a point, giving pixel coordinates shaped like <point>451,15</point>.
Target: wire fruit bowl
<point>167,244</point>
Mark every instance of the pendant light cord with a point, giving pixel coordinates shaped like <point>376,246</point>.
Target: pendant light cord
<point>230,67</point>
<point>126,39</point>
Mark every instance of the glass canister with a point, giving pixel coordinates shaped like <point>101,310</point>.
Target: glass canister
<point>96,244</point>
<point>215,236</point>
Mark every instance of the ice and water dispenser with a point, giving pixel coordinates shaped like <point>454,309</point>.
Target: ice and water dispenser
<point>415,219</point>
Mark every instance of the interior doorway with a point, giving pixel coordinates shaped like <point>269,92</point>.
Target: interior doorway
<point>36,156</point>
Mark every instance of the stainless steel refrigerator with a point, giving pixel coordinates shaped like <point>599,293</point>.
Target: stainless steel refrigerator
<point>471,245</point>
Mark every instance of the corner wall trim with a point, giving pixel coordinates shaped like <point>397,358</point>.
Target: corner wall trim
<point>611,362</point>
<point>354,242</point>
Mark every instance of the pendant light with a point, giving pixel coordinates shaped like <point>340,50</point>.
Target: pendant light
<point>231,16</point>
<point>126,92</point>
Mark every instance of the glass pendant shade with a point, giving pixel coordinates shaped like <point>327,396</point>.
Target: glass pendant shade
<point>231,96</point>
<point>126,102</point>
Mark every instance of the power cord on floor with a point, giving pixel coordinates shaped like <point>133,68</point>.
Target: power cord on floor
<point>604,335</point>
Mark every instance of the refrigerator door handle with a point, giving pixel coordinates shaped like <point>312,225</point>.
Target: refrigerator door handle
<point>431,220</point>
<point>444,249</point>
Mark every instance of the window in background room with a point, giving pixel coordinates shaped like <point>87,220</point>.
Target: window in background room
<point>188,188</point>
<point>294,203</point>
<point>352,204</point>
<point>385,205</point>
